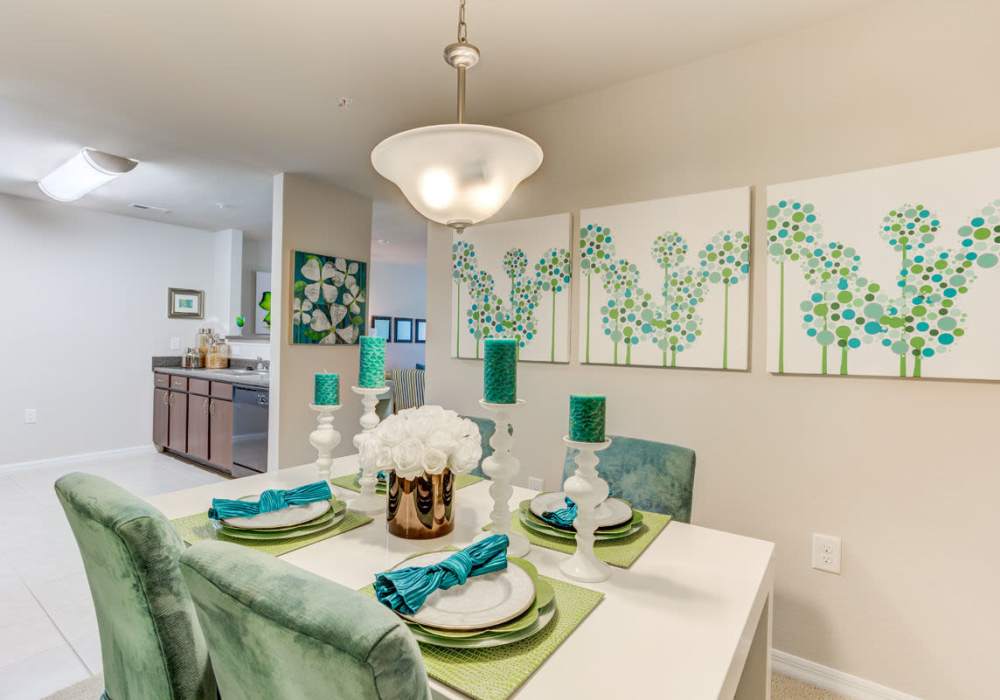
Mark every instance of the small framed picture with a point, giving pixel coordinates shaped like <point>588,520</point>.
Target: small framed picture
<point>382,327</point>
<point>185,303</point>
<point>403,330</point>
<point>420,330</point>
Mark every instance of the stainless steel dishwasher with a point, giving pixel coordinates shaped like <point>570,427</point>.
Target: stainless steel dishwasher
<point>250,409</point>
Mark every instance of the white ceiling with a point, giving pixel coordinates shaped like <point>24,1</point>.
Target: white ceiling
<point>215,97</point>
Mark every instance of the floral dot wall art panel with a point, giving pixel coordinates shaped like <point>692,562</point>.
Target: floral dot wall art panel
<point>889,272</point>
<point>665,283</point>
<point>512,280</point>
<point>328,299</point>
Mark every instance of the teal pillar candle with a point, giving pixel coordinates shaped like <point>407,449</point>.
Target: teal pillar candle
<point>500,370</point>
<point>372,375</point>
<point>326,390</point>
<point>586,418</point>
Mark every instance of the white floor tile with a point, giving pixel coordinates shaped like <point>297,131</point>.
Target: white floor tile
<point>41,674</point>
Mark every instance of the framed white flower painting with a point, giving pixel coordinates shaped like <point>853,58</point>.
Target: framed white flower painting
<point>328,299</point>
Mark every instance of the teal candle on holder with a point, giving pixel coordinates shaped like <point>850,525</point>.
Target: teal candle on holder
<point>326,390</point>
<point>586,418</point>
<point>372,362</point>
<point>500,370</point>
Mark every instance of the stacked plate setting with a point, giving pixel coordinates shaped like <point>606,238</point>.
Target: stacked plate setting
<point>285,524</point>
<point>616,519</point>
<point>486,611</point>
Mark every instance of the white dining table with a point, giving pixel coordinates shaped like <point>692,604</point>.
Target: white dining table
<point>690,620</point>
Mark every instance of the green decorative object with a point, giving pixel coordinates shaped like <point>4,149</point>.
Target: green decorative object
<point>372,375</point>
<point>240,322</point>
<point>500,370</point>
<point>326,390</point>
<point>726,261</point>
<point>328,300</point>
<point>586,418</point>
<point>265,304</point>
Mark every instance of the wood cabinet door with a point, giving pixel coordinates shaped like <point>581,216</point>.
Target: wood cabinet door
<point>220,441</point>
<point>197,437</point>
<point>161,417</point>
<point>178,422</point>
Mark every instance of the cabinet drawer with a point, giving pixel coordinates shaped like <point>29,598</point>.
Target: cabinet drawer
<point>178,383</point>
<point>221,390</point>
<point>160,380</point>
<point>198,386</point>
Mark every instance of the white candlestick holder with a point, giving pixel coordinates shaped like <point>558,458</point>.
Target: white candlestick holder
<point>368,501</point>
<point>502,467</point>
<point>588,490</point>
<point>325,437</point>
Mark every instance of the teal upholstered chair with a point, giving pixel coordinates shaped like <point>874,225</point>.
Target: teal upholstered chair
<point>151,643</point>
<point>653,476</point>
<point>275,631</point>
<point>486,429</point>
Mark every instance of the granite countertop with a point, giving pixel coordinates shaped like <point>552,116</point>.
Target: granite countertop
<point>232,376</point>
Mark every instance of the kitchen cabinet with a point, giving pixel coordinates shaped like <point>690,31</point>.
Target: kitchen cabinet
<point>178,405</point>
<point>220,442</point>
<point>197,426</point>
<point>161,417</point>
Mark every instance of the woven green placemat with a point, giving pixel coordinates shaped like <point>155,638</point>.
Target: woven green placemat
<point>494,674</point>
<point>197,527</point>
<point>621,553</point>
<point>350,482</point>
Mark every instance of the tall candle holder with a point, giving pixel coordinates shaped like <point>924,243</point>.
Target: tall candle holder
<point>588,490</point>
<point>325,437</point>
<point>368,501</point>
<point>502,467</point>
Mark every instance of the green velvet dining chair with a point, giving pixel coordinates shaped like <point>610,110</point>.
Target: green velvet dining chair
<point>152,646</point>
<point>276,631</point>
<point>653,476</point>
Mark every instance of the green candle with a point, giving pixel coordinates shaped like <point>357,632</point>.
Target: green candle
<point>372,362</point>
<point>586,418</point>
<point>500,370</point>
<point>326,390</point>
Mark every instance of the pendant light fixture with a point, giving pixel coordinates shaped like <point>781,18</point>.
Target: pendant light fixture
<point>457,174</point>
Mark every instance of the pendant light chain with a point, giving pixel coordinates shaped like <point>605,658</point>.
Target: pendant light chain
<point>463,29</point>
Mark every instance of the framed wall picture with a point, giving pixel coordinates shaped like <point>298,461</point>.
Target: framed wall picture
<point>402,330</point>
<point>382,327</point>
<point>328,299</point>
<point>262,296</point>
<point>420,330</point>
<point>185,303</point>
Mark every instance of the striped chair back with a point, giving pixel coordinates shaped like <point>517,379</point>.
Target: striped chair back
<point>407,389</point>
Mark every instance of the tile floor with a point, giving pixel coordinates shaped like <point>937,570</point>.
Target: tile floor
<point>48,629</point>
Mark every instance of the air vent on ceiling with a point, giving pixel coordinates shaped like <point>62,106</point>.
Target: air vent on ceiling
<point>149,207</point>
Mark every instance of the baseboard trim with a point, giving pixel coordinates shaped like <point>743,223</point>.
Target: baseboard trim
<point>74,459</point>
<point>831,679</point>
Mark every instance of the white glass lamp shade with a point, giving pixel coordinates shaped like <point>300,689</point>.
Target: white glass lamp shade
<point>457,174</point>
<point>83,173</point>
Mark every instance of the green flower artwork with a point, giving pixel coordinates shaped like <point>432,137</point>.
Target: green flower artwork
<point>597,249</point>
<point>726,261</point>
<point>328,300</point>
<point>265,304</point>
<point>553,273</point>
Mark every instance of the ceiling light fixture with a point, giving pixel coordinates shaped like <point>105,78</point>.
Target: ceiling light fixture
<point>83,173</point>
<point>457,174</point>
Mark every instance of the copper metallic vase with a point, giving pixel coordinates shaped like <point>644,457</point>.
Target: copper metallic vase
<point>421,508</point>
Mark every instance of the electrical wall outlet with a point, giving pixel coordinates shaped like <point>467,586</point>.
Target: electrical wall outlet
<point>826,553</point>
<point>175,343</point>
<point>536,484</point>
<point>30,415</point>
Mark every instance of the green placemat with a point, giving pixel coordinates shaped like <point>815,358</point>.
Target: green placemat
<point>621,553</point>
<point>350,482</point>
<point>197,527</point>
<point>494,674</point>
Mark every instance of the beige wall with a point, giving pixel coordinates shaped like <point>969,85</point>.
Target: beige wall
<point>312,216</point>
<point>906,472</point>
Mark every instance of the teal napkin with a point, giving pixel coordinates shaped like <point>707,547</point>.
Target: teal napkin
<point>270,501</point>
<point>405,590</point>
<point>563,517</point>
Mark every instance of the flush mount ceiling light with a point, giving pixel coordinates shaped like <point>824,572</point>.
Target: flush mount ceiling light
<point>457,174</point>
<point>83,173</point>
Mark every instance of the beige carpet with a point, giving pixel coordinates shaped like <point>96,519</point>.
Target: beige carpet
<point>782,688</point>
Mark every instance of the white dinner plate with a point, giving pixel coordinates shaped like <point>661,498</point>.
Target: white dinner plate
<point>482,601</point>
<point>611,513</point>
<point>544,618</point>
<point>286,517</point>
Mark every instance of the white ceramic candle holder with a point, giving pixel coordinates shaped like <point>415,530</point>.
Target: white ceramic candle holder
<point>502,467</point>
<point>588,490</point>
<point>325,437</point>
<point>368,501</point>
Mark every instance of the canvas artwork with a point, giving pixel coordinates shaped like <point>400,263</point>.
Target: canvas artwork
<point>328,299</point>
<point>665,283</point>
<point>512,280</point>
<point>888,272</point>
